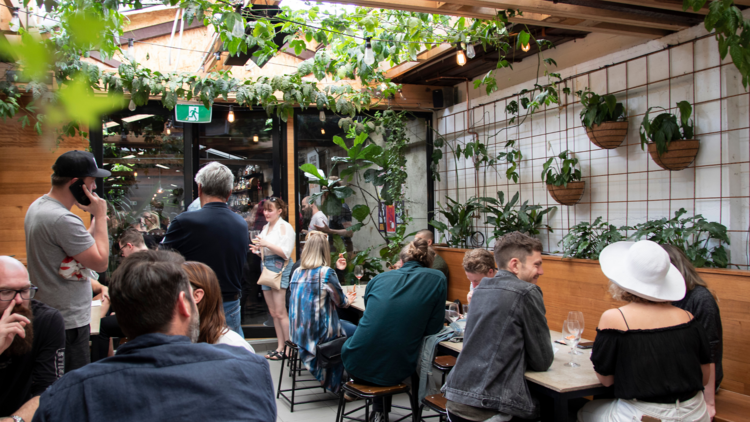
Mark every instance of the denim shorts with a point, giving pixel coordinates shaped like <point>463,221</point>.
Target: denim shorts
<point>275,263</point>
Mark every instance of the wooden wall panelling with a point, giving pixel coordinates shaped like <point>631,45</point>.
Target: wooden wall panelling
<point>25,167</point>
<point>579,285</point>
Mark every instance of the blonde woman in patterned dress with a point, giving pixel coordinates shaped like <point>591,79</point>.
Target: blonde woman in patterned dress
<point>315,294</point>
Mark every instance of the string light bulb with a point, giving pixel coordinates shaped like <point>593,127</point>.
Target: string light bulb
<point>322,116</point>
<point>461,56</point>
<point>526,47</point>
<point>135,174</point>
<point>369,54</point>
<point>230,116</point>
<point>169,127</point>
<point>470,52</point>
<point>255,138</point>
<point>15,21</point>
<point>131,106</point>
<point>131,49</point>
<point>322,131</point>
<point>401,93</point>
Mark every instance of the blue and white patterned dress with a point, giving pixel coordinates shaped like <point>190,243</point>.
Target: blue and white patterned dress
<point>314,295</point>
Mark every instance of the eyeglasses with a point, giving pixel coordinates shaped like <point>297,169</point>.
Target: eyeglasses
<point>26,294</point>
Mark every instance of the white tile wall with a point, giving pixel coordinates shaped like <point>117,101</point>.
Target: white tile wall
<point>624,185</point>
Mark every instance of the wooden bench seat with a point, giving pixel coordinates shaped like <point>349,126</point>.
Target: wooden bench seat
<point>732,407</point>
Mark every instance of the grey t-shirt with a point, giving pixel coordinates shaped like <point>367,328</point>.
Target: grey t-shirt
<point>52,234</point>
<point>318,219</point>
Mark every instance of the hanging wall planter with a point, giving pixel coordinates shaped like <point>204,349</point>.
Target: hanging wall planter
<point>567,195</point>
<point>563,180</point>
<point>601,117</point>
<point>672,146</point>
<point>680,154</point>
<point>608,135</point>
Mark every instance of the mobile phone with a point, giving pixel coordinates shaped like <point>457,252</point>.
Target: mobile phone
<point>77,190</point>
<point>586,345</point>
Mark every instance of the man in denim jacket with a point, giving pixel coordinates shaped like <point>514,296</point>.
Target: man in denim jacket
<point>508,317</point>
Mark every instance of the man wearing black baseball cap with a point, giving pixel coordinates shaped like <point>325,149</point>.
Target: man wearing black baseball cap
<point>62,255</point>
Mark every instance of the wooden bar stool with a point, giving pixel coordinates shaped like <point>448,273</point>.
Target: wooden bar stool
<point>444,364</point>
<point>436,402</point>
<point>291,352</point>
<point>369,393</point>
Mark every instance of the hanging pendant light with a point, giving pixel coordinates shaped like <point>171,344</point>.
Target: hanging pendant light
<point>131,106</point>
<point>230,116</point>
<point>369,54</point>
<point>15,21</point>
<point>526,47</point>
<point>322,116</point>
<point>470,53</point>
<point>460,57</point>
<point>255,138</point>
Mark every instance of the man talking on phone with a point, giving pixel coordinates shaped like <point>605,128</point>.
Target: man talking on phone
<point>61,254</point>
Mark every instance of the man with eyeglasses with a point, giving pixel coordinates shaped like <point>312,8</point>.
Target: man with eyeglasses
<point>32,343</point>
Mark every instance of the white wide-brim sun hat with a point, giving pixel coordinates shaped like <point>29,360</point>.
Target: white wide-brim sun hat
<point>643,269</point>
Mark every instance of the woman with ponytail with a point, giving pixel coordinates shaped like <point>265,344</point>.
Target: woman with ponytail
<point>401,307</point>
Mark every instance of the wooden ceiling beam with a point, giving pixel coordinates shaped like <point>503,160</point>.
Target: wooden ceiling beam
<point>673,5</point>
<point>578,12</point>
<point>544,20</point>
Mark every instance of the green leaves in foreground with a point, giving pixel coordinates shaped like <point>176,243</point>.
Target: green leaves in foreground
<point>78,103</point>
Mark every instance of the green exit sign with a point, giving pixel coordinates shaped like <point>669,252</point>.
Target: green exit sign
<point>192,113</point>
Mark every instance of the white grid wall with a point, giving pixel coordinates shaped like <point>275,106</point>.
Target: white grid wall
<point>623,185</point>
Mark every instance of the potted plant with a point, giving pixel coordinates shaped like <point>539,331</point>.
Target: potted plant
<point>672,146</point>
<point>506,218</point>
<point>701,240</point>
<point>563,181</point>
<point>586,240</point>
<point>604,119</point>
<point>459,216</point>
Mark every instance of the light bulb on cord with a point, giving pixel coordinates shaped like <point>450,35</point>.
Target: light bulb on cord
<point>401,93</point>
<point>131,106</point>
<point>322,131</point>
<point>169,127</point>
<point>470,53</point>
<point>526,47</point>
<point>460,57</point>
<point>230,116</point>
<point>369,55</point>
<point>135,174</point>
<point>322,116</point>
<point>131,49</point>
<point>15,21</point>
<point>255,138</point>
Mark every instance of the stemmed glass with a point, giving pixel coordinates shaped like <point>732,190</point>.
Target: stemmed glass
<point>576,316</point>
<point>359,272</point>
<point>466,311</point>
<point>572,332</point>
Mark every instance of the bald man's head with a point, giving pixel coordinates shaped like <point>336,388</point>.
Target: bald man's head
<point>11,268</point>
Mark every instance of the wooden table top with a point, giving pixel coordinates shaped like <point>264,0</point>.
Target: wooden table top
<point>359,304</point>
<point>558,377</point>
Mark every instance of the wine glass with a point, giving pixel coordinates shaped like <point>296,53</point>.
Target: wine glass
<point>572,333</point>
<point>466,311</point>
<point>358,272</point>
<point>453,312</point>
<point>576,316</point>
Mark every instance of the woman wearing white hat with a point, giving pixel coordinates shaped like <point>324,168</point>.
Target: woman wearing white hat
<point>656,355</point>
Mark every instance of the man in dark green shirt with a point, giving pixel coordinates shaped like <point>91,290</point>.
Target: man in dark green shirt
<point>439,263</point>
<point>401,308</point>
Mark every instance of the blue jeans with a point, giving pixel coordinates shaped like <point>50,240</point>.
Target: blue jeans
<point>233,316</point>
<point>348,327</point>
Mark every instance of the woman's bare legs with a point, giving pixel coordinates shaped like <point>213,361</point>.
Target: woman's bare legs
<point>276,301</point>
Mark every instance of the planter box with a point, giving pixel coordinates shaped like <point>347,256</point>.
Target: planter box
<point>608,135</point>
<point>567,195</point>
<point>679,155</point>
<point>580,285</point>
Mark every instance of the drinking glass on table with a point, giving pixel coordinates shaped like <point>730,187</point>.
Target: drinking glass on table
<point>466,311</point>
<point>576,316</point>
<point>572,332</point>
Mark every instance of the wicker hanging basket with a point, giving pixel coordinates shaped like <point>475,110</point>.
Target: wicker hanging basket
<point>608,135</point>
<point>567,195</point>
<point>679,155</point>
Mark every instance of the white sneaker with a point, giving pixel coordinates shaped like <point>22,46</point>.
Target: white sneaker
<point>377,417</point>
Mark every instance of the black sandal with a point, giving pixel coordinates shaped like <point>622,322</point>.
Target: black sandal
<point>275,355</point>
